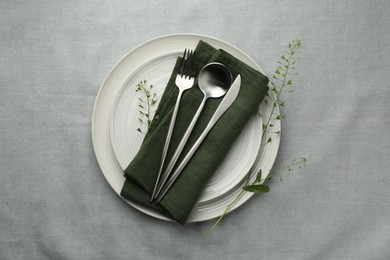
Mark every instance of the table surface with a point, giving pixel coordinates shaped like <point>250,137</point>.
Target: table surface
<point>55,202</point>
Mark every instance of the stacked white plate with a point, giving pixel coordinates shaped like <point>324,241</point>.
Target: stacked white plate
<point>115,120</point>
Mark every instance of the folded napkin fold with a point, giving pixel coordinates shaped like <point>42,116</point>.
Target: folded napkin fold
<point>141,173</point>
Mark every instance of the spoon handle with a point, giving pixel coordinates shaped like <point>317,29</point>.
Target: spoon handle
<point>180,147</point>
<point>167,141</point>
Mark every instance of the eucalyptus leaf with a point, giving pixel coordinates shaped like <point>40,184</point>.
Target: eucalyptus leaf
<point>258,176</point>
<point>257,188</point>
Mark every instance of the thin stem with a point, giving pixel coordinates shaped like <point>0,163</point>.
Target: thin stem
<point>278,95</point>
<point>300,163</point>
<point>150,101</point>
<point>227,209</point>
<point>147,94</point>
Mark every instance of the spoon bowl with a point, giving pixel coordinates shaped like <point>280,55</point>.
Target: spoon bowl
<point>214,80</point>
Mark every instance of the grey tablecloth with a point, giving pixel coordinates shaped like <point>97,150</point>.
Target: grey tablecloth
<point>54,200</point>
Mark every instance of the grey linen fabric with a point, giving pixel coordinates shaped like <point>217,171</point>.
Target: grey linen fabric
<point>54,200</point>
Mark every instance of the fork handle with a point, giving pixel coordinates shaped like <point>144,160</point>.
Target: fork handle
<point>180,147</point>
<point>167,141</point>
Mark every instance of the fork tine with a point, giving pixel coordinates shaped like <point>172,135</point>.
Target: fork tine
<point>190,69</point>
<point>193,65</point>
<point>183,63</point>
<point>188,64</point>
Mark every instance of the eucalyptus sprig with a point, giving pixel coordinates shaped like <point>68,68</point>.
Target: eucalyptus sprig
<point>281,82</point>
<point>146,104</point>
<point>257,187</point>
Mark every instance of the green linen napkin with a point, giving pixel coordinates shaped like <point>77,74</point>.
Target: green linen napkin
<point>141,173</point>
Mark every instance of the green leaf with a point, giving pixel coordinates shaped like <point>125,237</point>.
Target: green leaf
<point>258,176</point>
<point>289,82</point>
<point>280,117</point>
<point>139,130</point>
<point>257,188</point>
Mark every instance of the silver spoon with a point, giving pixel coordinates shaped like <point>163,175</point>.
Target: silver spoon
<point>214,81</point>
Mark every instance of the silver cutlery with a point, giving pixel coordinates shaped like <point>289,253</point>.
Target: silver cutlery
<point>214,80</point>
<point>227,101</point>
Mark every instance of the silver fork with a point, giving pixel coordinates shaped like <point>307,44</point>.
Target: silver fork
<point>184,80</point>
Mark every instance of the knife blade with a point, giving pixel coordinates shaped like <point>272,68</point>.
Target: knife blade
<point>226,102</point>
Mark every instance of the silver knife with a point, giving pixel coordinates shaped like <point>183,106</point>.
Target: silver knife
<point>226,102</point>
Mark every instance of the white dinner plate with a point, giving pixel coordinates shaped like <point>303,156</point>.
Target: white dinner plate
<point>114,123</point>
